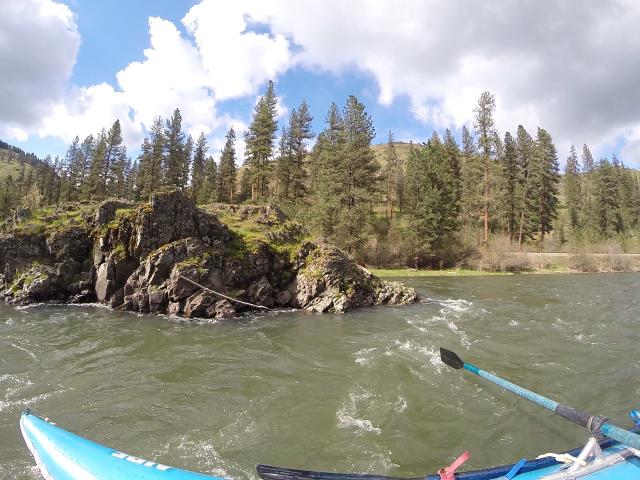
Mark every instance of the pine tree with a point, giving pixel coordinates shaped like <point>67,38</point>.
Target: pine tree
<point>112,167</point>
<point>210,184</point>
<point>629,198</point>
<point>326,160</point>
<point>588,165</point>
<point>587,215</point>
<point>8,196</point>
<point>84,162</point>
<point>131,178</point>
<point>470,179</point>
<point>572,186</point>
<point>524,197</point>
<point>187,154</point>
<point>299,133</point>
<point>485,129</point>
<point>197,173</point>
<point>174,160</point>
<point>393,177</point>
<point>431,197</point>
<point>358,177</point>
<point>260,144</point>
<point>544,180</point>
<point>95,187</point>
<point>151,162</point>
<point>73,159</point>
<point>227,173</point>
<point>606,199</point>
<point>511,176</point>
<point>283,167</point>
<point>119,171</point>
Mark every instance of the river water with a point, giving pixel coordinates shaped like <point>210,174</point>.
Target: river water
<point>364,391</point>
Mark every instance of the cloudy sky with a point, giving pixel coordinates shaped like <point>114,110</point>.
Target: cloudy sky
<point>71,67</point>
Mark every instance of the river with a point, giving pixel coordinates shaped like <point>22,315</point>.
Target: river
<point>363,391</point>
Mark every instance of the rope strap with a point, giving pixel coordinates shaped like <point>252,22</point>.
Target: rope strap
<point>222,295</point>
<point>563,458</point>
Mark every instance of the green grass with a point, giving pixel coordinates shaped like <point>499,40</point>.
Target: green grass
<point>411,272</point>
<point>11,168</point>
<point>463,272</point>
<point>50,220</point>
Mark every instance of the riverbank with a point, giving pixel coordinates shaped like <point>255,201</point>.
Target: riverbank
<point>529,263</point>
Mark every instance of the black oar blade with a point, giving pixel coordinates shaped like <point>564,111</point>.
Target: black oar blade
<point>450,358</point>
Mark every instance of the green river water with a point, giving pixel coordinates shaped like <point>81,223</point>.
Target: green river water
<point>364,391</point>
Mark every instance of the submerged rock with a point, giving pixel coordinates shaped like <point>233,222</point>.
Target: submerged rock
<point>168,256</point>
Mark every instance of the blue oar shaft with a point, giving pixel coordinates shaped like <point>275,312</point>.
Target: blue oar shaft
<point>512,387</point>
<point>581,418</point>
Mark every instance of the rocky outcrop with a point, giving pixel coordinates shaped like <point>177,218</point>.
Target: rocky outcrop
<point>330,281</point>
<point>167,256</point>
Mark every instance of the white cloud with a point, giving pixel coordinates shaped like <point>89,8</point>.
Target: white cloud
<point>176,72</point>
<point>237,60</point>
<point>86,110</point>
<point>570,66</point>
<point>171,76</point>
<point>39,42</point>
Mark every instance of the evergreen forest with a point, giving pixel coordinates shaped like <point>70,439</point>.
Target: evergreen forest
<point>427,204</point>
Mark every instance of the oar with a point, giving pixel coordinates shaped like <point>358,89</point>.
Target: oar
<point>596,424</point>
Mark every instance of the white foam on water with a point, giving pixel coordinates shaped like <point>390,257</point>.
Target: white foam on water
<point>24,402</point>
<point>347,416</point>
<point>419,352</point>
<point>20,386</point>
<point>400,405</point>
<point>364,356</point>
<point>198,455</point>
<point>28,352</point>
<point>381,461</point>
<point>464,339</point>
<point>456,305</point>
<point>65,305</point>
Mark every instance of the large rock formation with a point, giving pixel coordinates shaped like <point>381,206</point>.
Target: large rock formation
<point>156,257</point>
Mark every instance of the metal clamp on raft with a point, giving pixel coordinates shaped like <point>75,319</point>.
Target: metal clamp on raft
<point>594,423</point>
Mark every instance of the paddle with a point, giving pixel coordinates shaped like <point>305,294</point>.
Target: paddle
<point>595,424</point>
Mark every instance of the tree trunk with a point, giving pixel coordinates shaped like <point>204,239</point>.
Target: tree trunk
<point>520,233</point>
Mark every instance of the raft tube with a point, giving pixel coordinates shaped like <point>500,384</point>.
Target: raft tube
<point>62,455</point>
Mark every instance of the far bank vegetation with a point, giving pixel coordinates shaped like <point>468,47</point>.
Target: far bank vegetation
<point>482,199</point>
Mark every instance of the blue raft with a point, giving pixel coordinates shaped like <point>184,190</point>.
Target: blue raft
<point>62,455</point>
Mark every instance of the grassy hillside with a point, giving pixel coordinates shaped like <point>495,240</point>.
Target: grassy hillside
<point>9,164</point>
<point>402,150</point>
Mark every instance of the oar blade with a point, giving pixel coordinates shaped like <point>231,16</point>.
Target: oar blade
<point>451,359</point>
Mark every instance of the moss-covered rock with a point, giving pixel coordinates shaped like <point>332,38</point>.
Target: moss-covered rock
<point>167,256</point>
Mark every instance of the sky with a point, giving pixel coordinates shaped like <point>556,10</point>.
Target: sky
<point>72,67</point>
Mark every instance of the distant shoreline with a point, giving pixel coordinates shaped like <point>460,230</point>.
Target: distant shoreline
<point>590,263</point>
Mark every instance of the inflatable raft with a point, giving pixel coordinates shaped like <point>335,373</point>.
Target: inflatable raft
<point>62,455</point>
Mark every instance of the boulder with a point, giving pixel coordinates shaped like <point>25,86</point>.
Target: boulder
<point>224,309</point>
<point>197,304</point>
<point>158,301</point>
<point>261,293</point>
<point>106,211</point>
<point>329,281</point>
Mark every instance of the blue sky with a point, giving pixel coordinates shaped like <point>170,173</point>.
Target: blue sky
<point>563,66</point>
